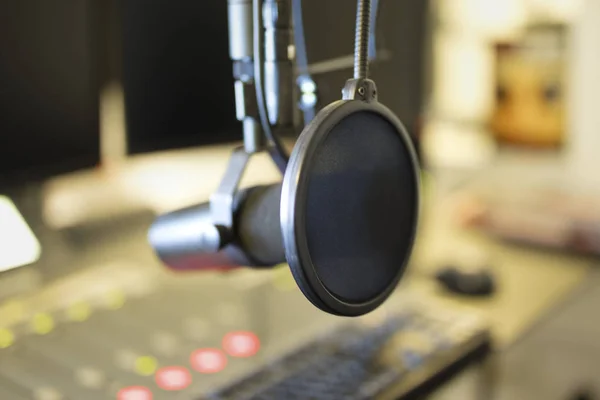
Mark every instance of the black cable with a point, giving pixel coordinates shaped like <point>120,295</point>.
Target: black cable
<point>277,150</point>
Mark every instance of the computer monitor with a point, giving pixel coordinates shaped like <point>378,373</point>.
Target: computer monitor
<point>177,75</point>
<point>49,89</point>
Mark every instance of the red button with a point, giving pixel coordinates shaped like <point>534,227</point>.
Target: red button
<point>208,361</point>
<point>134,393</point>
<point>173,378</point>
<point>241,344</point>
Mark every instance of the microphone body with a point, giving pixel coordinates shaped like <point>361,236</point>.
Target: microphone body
<point>279,69</point>
<point>188,239</point>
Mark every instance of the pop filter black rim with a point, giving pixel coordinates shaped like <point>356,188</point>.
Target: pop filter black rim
<point>293,204</point>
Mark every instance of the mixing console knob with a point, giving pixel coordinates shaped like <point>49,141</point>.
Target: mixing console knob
<point>90,378</point>
<point>125,359</point>
<point>173,378</point>
<point>166,344</point>
<point>48,394</point>
<point>231,314</point>
<point>135,393</point>
<point>196,329</point>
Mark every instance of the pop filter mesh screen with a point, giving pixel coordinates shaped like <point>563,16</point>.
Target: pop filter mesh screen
<point>361,207</point>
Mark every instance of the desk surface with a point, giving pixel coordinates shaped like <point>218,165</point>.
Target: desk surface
<point>531,282</point>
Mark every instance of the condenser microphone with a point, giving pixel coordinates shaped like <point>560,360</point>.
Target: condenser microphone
<point>344,218</point>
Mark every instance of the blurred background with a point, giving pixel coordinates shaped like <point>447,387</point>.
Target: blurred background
<point>114,111</point>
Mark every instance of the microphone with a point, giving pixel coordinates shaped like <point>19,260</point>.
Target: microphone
<point>188,239</point>
<point>344,218</point>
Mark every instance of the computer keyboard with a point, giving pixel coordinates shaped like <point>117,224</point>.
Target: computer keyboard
<point>355,362</point>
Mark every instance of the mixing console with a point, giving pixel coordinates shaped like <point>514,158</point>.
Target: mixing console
<point>132,333</point>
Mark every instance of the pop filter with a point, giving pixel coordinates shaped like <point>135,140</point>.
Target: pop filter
<point>349,205</point>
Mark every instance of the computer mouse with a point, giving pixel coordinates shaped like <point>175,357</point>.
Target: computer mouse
<point>477,283</point>
<point>584,394</point>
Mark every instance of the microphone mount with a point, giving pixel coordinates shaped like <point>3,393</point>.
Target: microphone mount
<point>264,105</point>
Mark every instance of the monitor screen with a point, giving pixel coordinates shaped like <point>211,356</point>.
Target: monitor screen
<point>49,118</point>
<point>177,75</point>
